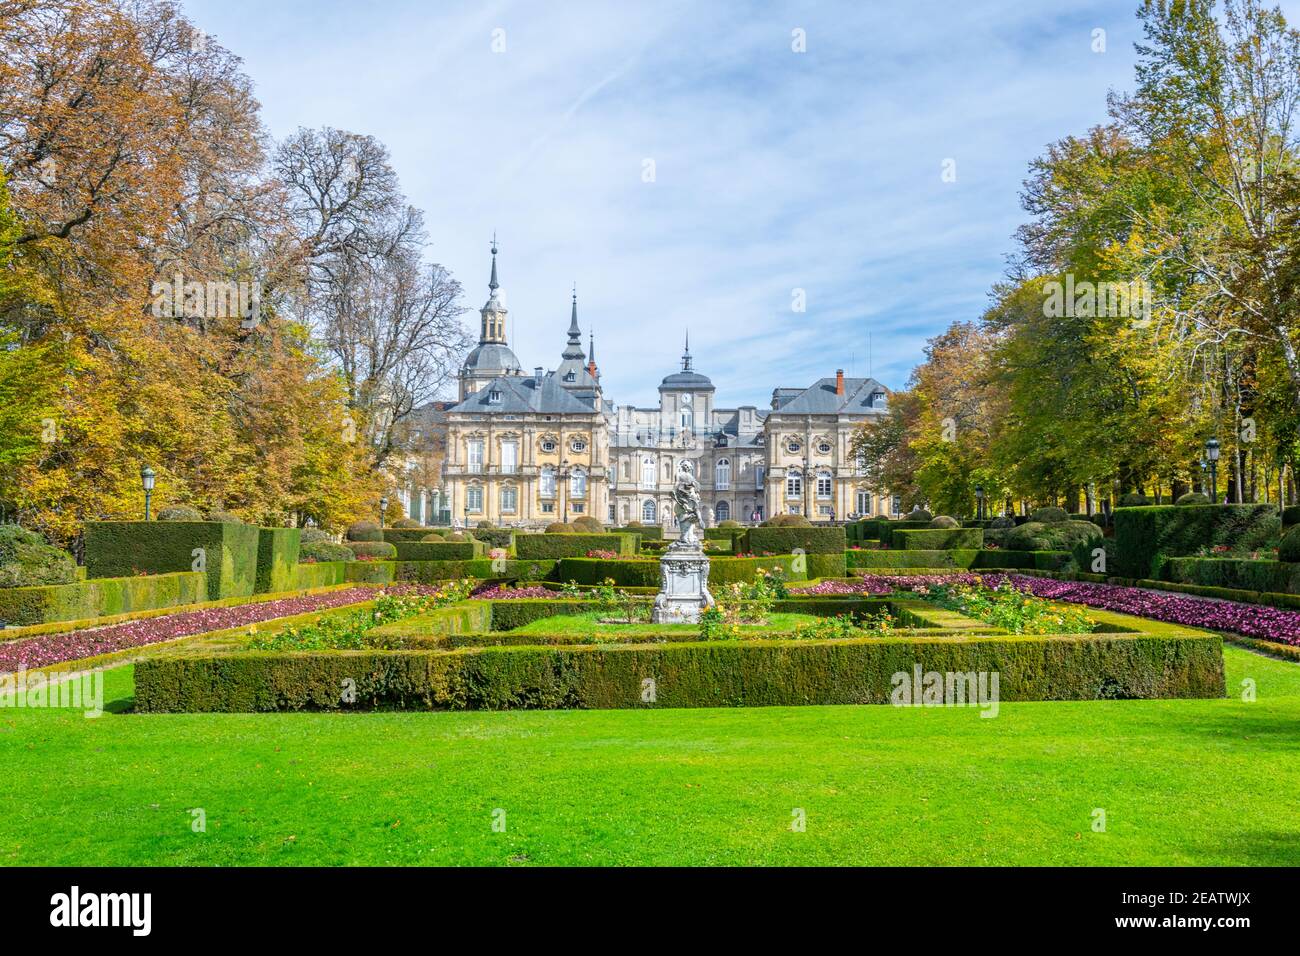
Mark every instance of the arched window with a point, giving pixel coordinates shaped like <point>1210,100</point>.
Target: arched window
<point>723,511</point>
<point>824,483</point>
<point>648,512</point>
<point>547,484</point>
<point>578,483</point>
<point>648,471</point>
<point>722,473</point>
<point>793,485</point>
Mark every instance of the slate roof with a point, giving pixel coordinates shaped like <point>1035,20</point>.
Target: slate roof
<point>520,394</point>
<point>820,398</point>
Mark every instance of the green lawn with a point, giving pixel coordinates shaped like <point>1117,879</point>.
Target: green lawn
<point>590,626</point>
<point>1181,782</point>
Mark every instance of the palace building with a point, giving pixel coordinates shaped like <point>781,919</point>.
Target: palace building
<point>529,449</point>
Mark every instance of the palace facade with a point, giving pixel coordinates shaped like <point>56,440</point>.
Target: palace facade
<point>527,449</point>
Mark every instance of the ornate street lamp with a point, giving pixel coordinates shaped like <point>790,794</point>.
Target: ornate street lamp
<point>1212,455</point>
<point>562,476</point>
<point>146,481</point>
<point>979,502</point>
<point>383,506</point>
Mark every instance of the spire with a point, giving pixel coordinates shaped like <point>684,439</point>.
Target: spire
<point>686,356</point>
<point>494,310</point>
<point>574,331</point>
<point>591,355</point>
<point>493,285</point>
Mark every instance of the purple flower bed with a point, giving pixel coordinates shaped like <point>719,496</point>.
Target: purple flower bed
<point>501,593</point>
<point>56,648</point>
<point>1253,620</point>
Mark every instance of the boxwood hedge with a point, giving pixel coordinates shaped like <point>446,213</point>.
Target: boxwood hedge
<point>320,574</point>
<point>427,572</point>
<point>716,674</point>
<point>786,540</point>
<point>1243,574</point>
<point>117,549</point>
<point>936,539</point>
<point>277,559</point>
<point>1145,538</point>
<point>552,546</point>
<point>639,573</point>
<point>100,597</point>
<point>440,550</point>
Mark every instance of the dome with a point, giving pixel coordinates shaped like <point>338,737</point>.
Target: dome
<point>686,379</point>
<point>492,356</point>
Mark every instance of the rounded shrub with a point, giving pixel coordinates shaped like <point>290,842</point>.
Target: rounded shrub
<point>635,524</point>
<point>787,521</point>
<point>1193,498</point>
<point>407,523</point>
<point>26,560</point>
<point>919,514</point>
<point>558,527</point>
<point>729,524</point>
<point>374,549</point>
<point>586,524</point>
<point>1049,514</point>
<point>1133,500</point>
<point>309,535</point>
<point>1001,522</point>
<point>180,513</point>
<point>945,521</point>
<point>458,537</point>
<point>312,551</point>
<point>433,537</point>
<point>486,525</point>
<point>365,531</point>
<point>1051,535</point>
<point>225,517</point>
<point>1288,549</point>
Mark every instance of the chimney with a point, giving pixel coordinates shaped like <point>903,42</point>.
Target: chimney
<point>839,381</point>
<point>537,374</point>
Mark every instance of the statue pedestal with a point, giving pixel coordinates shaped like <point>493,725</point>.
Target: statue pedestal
<point>683,586</point>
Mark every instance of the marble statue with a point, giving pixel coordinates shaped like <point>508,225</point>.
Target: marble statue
<point>684,567</point>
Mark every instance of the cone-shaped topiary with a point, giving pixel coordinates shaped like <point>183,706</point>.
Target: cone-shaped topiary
<point>365,531</point>
<point>944,521</point>
<point>179,513</point>
<point>1193,498</point>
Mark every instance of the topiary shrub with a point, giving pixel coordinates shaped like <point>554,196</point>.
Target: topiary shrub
<point>1051,535</point>
<point>558,527</point>
<point>586,524</point>
<point>1133,500</point>
<point>457,536</point>
<point>365,531</point>
<point>486,526</point>
<point>1049,514</point>
<point>381,550</point>
<point>1290,516</point>
<point>433,537</point>
<point>26,560</point>
<point>1002,521</point>
<point>226,517</point>
<point>1193,498</point>
<point>180,513</point>
<point>315,534</point>
<point>635,524</point>
<point>944,521</point>
<point>729,524</point>
<point>1288,548</point>
<point>787,521</point>
<point>919,514</point>
<point>407,523</point>
<point>317,551</point>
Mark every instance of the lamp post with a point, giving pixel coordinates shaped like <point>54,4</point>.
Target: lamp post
<point>1212,455</point>
<point>1205,465</point>
<point>563,477</point>
<point>979,502</point>
<point>146,481</point>
<point>383,506</point>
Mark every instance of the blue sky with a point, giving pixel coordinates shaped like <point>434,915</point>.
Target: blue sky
<point>774,170</point>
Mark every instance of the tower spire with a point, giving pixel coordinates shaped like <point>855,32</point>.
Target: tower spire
<point>494,310</point>
<point>492,283</point>
<point>686,355</point>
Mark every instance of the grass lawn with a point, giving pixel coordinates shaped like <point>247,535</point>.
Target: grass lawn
<point>1181,782</point>
<point>590,626</point>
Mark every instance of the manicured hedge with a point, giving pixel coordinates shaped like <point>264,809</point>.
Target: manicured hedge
<point>370,572</point>
<point>552,546</point>
<point>1243,574</point>
<point>495,537</point>
<point>887,530</point>
<point>786,540</point>
<point>440,550</point>
<point>277,559</point>
<point>1147,537</point>
<point>427,572</point>
<point>400,535</point>
<point>100,597</point>
<point>716,674</point>
<point>937,539</point>
<point>961,558</point>
<point>321,574</point>
<point>1291,516</point>
<point>650,532</point>
<point>117,549</point>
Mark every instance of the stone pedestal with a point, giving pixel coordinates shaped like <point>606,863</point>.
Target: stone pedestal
<point>683,586</point>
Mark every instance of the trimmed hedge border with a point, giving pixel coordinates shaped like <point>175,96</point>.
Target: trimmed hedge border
<point>427,572</point>
<point>277,559</point>
<point>440,550</point>
<point>1235,573</point>
<point>641,573</point>
<point>937,539</point>
<point>1146,537</point>
<point>962,558</point>
<point>553,546</point>
<point>116,549</point>
<point>100,597</point>
<point>716,674</point>
<point>786,540</point>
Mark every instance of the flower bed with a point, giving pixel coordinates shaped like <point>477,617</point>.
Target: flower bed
<point>56,648</point>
